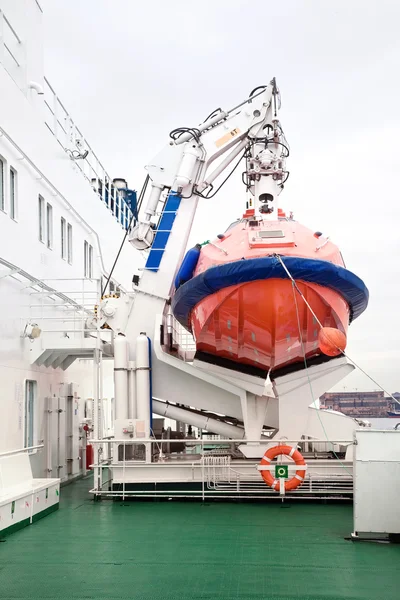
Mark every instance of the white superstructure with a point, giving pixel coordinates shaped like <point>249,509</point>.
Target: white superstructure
<point>62,221</point>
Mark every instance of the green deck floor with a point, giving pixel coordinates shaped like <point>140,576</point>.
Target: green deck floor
<point>178,551</point>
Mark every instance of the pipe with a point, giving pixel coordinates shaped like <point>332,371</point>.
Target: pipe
<point>49,440</point>
<point>153,201</point>
<point>121,352</point>
<point>151,387</point>
<point>143,381</point>
<point>202,422</point>
<point>33,85</point>
<point>185,137</point>
<point>132,407</point>
<point>222,166</point>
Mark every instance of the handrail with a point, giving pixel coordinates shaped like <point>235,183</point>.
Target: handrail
<point>198,464</point>
<point>98,177</point>
<point>197,441</point>
<point>46,289</point>
<point>11,28</point>
<point>21,450</point>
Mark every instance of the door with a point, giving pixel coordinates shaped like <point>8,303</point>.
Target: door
<point>29,422</point>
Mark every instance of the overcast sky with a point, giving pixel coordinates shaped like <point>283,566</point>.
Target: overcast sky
<point>131,71</point>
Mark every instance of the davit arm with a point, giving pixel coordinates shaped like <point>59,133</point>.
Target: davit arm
<point>251,128</point>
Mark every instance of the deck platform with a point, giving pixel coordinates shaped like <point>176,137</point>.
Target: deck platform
<point>148,550</point>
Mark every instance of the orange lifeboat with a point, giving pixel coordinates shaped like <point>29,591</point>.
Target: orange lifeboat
<point>245,311</point>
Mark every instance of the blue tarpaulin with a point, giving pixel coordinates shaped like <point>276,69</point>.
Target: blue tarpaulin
<point>321,272</point>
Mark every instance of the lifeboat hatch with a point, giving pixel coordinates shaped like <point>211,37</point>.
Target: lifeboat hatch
<point>268,233</point>
<point>267,238</point>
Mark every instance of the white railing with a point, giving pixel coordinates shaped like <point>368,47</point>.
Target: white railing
<point>183,340</point>
<point>21,450</point>
<point>62,126</point>
<point>65,305</point>
<point>72,140</point>
<point>11,50</point>
<point>216,476</point>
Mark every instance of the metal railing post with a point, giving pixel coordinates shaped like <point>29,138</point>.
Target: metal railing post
<point>202,472</point>
<point>123,473</point>
<point>55,115</point>
<point>96,416</point>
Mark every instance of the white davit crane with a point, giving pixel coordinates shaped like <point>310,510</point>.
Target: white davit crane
<point>145,369</point>
<point>182,174</point>
<point>183,167</point>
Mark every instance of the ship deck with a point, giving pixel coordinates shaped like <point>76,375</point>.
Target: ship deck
<point>189,550</point>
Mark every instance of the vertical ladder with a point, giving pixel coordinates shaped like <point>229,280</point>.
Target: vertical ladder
<point>163,232</point>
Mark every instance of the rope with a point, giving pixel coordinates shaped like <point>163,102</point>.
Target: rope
<point>320,324</point>
<point>298,289</point>
<point>294,287</point>
<point>369,377</point>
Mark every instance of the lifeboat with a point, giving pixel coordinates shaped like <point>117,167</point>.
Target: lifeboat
<point>256,297</point>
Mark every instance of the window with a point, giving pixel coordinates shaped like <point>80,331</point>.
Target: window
<point>69,243</point>
<point>2,207</point>
<point>87,260</point>
<point>49,224</point>
<point>63,238</point>
<point>30,397</point>
<point>41,219</point>
<point>13,193</point>
<point>90,261</point>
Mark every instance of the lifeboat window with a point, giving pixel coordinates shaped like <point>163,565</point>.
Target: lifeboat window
<point>268,233</point>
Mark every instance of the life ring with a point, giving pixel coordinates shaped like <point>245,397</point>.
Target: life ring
<point>294,454</point>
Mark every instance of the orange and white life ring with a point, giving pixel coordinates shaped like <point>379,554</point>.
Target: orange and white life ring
<point>295,455</point>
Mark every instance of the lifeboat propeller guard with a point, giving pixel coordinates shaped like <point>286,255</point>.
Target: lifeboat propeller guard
<point>294,454</point>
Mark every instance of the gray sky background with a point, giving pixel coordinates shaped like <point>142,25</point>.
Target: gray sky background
<point>131,71</point>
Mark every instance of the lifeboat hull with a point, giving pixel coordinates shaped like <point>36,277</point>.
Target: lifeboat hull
<point>266,324</point>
